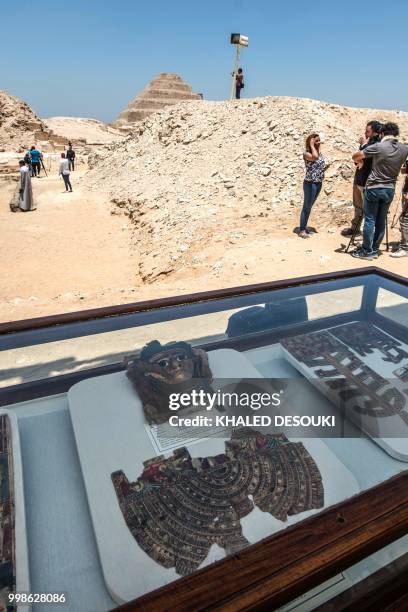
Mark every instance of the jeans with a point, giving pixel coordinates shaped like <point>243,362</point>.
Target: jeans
<point>67,182</point>
<point>311,191</point>
<point>376,204</point>
<point>36,168</point>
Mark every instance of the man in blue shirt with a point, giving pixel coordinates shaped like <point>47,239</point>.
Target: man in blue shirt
<point>35,161</point>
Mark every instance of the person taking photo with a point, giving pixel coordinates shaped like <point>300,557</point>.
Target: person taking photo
<point>312,184</point>
<point>387,157</point>
<point>372,135</point>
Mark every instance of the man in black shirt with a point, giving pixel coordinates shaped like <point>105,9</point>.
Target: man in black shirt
<point>372,135</point>
<point>71,156</point>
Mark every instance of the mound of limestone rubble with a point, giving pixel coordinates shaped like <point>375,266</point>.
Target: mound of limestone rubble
<point>20,127</point>
<point>200,173</point>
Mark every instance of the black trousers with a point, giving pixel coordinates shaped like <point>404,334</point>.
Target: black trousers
<point>36,168</point>
<point>237,92</point>
<point>71,164</point>
<point>67,182</point>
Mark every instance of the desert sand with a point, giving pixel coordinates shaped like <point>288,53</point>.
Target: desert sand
<point>72,253</point>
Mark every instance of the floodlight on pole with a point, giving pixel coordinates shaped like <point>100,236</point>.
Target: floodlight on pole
<point>239,40</point>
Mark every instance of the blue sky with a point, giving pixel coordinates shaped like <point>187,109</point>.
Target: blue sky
<point>89,58</point>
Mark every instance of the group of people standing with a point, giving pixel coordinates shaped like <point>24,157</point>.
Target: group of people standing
<point>379,161</point>
<point>30,167</point>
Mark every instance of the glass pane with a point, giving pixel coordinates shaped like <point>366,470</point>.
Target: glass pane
<point>393,306</point>
<point>270,310</point>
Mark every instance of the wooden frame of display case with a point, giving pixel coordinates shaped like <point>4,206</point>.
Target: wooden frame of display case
<point>385,590</point>
<point>272,572</point>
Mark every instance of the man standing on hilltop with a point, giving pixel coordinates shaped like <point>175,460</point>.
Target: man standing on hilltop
<point>372,135</point>
<point>388,156</point>
<point>239,83</point>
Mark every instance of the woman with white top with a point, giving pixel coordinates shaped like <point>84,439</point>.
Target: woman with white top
<point>64,172</point>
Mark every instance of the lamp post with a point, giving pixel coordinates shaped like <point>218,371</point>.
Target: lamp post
<point>239,40</point>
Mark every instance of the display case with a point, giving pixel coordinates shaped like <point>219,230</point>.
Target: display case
<point>122,509</point>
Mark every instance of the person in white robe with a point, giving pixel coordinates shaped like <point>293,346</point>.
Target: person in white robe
<point>26,201</point>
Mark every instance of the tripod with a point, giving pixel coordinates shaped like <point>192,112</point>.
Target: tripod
<point>43,167</point>
<point>356,230</point>
<point>404,204</point>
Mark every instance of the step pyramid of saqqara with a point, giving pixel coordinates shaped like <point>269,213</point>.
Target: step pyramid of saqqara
<point>167,88</point>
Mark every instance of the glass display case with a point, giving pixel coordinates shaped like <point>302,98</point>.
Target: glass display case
<point>114,505</point>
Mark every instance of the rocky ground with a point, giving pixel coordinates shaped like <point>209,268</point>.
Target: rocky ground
<point>205,182</point>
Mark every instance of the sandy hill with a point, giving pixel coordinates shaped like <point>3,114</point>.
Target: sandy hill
<point>20,127</point>
<point>203,180</point>
<point>90,131</point>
